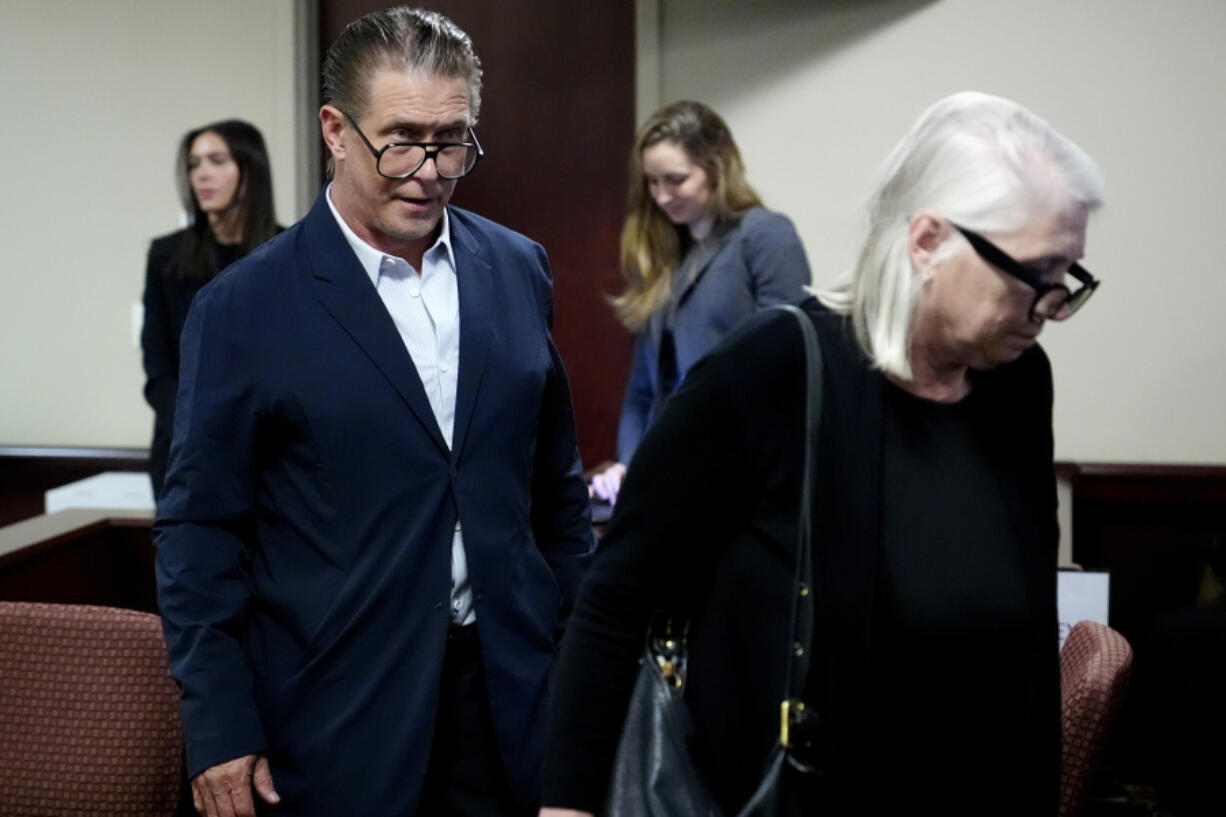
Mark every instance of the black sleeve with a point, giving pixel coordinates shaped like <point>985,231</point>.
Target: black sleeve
<point>1042,572</point>
<point>159,353</point>
<point>690,487</point>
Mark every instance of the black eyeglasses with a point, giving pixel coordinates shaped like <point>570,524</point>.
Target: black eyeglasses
<point>1054,302</point>
<point>399,160</point>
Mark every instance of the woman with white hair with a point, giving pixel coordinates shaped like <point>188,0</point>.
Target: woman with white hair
<point>934,665</point>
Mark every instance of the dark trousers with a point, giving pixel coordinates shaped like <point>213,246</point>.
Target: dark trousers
<point>466,777</point>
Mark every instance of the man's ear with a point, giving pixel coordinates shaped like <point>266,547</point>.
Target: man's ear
<point>331,124</point>
<point>925,233</point>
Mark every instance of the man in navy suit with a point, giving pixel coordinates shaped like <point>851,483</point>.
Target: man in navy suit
<point>375,518</point>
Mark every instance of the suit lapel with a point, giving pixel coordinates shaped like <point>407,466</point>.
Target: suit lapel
<point>345,291</point>
<point>693,276</point>
<point>474,279</point>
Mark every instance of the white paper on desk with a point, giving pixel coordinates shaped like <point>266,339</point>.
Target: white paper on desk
<point>110,489</point>
<point>1081,596</point>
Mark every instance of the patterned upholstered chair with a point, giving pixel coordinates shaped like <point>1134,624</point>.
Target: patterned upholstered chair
<point>1095,664</point>
<point>89,711</point>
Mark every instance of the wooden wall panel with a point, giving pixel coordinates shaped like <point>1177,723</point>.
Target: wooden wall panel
<point>1155,528</point>
<point>557,121</point>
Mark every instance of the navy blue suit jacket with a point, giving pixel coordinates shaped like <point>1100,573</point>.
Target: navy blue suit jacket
<point>304,536</point>
<point>760,263</point>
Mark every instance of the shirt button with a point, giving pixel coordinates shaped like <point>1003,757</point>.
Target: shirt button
<point>457,524</point>
<point>415,292</point>
<point>444,367</point>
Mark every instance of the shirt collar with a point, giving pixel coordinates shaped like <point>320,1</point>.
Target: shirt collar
<point>371,259</point>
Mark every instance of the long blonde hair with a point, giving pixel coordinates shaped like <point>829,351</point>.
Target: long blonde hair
<point>651,245</point>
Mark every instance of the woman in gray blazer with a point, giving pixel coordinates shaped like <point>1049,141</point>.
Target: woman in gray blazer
<point>699,253</point>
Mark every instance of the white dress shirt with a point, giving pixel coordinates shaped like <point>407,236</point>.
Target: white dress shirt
<point>426,310</point>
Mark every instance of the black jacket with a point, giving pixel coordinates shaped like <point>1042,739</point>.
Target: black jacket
<point>705,524</point>
<point>167,299</point>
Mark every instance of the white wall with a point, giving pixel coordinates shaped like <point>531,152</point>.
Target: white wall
<point>95,97</point>
<point>817,93</point>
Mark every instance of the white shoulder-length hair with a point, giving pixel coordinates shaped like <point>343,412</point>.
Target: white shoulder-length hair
<point>981,161</point>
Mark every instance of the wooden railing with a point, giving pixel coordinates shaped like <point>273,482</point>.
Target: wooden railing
<point>80,556</point>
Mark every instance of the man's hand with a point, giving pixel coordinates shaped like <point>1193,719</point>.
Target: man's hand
<point>225,789</point>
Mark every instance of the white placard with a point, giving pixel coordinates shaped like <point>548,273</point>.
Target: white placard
<point>111,489</point>
<point>1081,596</point>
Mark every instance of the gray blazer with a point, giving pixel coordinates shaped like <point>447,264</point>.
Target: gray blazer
<point>759,262</point>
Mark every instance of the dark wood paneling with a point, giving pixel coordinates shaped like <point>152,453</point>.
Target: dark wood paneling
<point>28,472</point>
<point>1154,527</point>
<point>80,556</point>
<point>1160,530</point>
<point>557,121</point>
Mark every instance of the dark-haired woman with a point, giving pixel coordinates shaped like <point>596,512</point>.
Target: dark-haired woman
<point>225,184</point>
<point>699,253</point>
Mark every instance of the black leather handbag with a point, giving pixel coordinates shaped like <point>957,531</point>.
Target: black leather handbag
<point>653,773</point>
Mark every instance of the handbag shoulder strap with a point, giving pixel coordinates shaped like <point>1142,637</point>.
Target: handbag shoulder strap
<point>801,633</point>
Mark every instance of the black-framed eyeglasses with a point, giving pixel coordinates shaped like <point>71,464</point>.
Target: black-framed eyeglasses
<point>399,160</point>
<point>1054,302</point>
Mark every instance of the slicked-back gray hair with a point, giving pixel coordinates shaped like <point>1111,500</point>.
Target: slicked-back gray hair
<point>403,39</point>
<point>981,161</point>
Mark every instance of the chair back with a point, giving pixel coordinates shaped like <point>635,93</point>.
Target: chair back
<point>89,711</point>
<point>1095,664</point>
